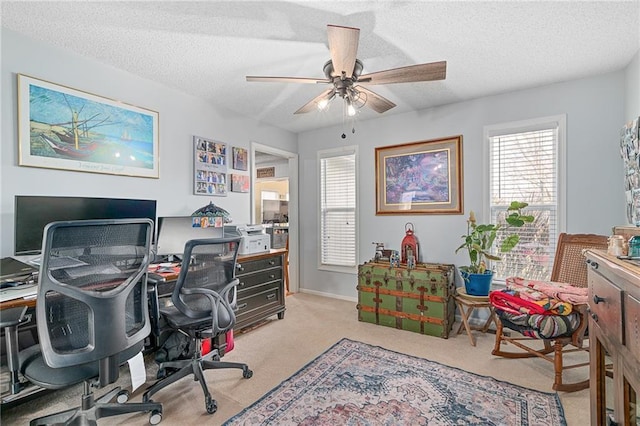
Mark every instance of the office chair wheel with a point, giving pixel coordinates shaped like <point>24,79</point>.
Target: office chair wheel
<point>155,417</point>
<point>122,396</point>
<point>246,373</point>
<point>211,404</point>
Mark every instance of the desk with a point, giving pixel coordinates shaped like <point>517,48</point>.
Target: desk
<point>261,290</point>
<point>467,304</point>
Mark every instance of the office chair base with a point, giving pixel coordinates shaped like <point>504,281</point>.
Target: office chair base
<point>171,371</point>
<point>93,410</point>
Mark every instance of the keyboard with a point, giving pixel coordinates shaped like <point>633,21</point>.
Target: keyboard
<point>61,262</point>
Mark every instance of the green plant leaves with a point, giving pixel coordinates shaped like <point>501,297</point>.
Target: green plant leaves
<point>480,238</point>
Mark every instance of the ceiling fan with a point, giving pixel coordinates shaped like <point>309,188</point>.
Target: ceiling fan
<point>344,72</point>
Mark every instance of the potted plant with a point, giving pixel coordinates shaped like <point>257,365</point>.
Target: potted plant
<point>478,242</point>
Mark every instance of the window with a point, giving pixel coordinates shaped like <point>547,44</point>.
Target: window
<point>526,163</point>
<point>338,208</point>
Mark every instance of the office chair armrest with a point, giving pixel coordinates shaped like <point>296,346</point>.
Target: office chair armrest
<point>217,299</point>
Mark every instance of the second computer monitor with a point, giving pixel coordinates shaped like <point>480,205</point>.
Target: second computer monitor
<point>175,231</point>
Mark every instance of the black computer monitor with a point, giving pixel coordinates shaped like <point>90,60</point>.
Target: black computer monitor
<point>175,231</point>
<point>33,213</point>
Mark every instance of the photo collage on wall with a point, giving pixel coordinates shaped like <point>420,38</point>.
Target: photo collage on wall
<point>240,182</point>
<point>630,152</point>
<point>210,167</point>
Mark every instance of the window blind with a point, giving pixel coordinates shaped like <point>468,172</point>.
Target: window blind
<point>523,166</point>
<point>338,209</point>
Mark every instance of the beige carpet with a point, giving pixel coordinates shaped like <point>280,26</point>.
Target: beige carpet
<point>279,348</point>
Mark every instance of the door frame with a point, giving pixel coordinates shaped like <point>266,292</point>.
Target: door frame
<point>294,228</point>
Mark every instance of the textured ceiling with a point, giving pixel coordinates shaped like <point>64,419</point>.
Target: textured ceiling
<point>207,48</point>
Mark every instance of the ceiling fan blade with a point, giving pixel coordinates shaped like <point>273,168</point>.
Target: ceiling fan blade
<point>343,47</point>
<point>313,103</point>
<point>287,79</point>
<point>375,101</point>
<point>421,72</point>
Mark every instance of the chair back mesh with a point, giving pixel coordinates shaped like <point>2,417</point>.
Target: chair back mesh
<point>569,264</point>
<point>203,286</point>
<point>92,296</point>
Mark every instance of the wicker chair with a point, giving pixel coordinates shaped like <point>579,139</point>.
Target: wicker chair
<point>569,266</point>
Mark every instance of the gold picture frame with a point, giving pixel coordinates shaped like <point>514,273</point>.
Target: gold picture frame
<point>420,177</point>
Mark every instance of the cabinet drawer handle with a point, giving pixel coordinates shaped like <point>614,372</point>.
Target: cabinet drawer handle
<point>271,296</point>
<point>272,276</point>
<point>597,299</point>
<point>241,284</point>
<point>242,306</point>
<point>272,262</point>
<point>239,267</point>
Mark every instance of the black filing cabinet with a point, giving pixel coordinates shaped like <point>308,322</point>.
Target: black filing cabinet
<point>261,289</point>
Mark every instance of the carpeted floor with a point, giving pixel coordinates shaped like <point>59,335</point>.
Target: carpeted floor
<point>278,349</point>
<point>357,383</point>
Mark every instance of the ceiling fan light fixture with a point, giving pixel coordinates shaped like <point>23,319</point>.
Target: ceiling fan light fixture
<point>324,103</point>
<point>351,110</point>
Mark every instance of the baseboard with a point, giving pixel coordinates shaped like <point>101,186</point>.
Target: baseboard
<point>330,295</point>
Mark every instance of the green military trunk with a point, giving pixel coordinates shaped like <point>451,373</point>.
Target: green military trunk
<point>419,299</point>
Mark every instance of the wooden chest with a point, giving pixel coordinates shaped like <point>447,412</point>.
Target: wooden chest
<point>419,299</point>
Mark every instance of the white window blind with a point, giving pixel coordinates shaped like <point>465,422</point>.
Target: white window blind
<point>524,165</point>
<point>338,208</point>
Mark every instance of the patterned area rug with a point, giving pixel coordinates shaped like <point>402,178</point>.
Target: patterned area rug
<point>358,384</point>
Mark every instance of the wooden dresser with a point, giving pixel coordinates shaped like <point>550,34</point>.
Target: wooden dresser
<point>614,339</point>
<point>261,289</point>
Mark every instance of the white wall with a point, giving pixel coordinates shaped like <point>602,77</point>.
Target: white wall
<point>632,101</point>
<point>595,114</point>
<point>181,117</point>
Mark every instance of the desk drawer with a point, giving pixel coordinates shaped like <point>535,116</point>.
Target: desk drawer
<point>257,265</point>
<point>605,303</point>
<point>250,280</point>
<point>266,299</point>
<point>632,324</point>
<point>248,291</point>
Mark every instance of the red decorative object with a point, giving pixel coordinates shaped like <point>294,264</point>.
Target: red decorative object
<point>409,246</point>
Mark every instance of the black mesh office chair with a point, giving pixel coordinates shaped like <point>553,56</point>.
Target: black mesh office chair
<point>92,314</point>
<point>204,301</point>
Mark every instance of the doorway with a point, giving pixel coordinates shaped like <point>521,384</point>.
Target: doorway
<point>274,200</point>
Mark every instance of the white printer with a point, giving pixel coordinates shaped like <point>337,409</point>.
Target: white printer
<point>254,238</point>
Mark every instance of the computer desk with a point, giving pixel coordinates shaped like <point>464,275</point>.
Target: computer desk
<point>261,294</point>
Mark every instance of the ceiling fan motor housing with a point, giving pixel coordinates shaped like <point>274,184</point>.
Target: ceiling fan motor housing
<point>341,83</point>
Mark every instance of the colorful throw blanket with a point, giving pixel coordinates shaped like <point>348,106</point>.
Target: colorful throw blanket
<point>539,289</point>
<point>538,309</point>
<point>540,326</point>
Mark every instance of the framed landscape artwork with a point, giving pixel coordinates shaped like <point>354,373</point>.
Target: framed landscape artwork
<point>64,128</point>
<point>420,177</point>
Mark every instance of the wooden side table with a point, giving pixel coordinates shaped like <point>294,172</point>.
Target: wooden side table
<point>467,304</point>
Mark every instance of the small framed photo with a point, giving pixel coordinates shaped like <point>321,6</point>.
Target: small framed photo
<point>239,183</point>
<point>240,159</point>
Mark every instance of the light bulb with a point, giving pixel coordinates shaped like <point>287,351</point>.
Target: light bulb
<point>323,104</point>
<point>351,111</point>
